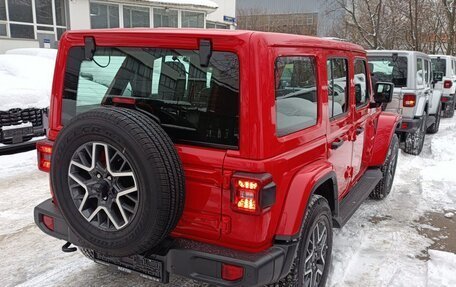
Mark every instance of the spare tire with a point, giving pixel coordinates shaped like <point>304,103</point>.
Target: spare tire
<point>118,180</point>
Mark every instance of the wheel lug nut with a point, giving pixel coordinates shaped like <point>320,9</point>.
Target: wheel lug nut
<point>98,175</point>
<point>109,177</point>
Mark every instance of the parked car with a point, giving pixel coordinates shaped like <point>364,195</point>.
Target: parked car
<point>414,97</point>
<point>25,88</point>
<point>444,71</point>
<point>215,155</point>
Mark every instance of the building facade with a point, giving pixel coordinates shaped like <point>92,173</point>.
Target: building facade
<point>40,23</point>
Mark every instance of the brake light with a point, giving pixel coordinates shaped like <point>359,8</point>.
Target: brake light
<point>252,193</point>
<point>409,100</point>
<point>232,272</point>
<point>44,150</point>
<point>447,84</point>
<point>124,100</point>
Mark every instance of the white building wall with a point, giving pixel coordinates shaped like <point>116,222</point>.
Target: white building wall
<point>226,8</point>
<point>79,17</point>
<point>8,44</point>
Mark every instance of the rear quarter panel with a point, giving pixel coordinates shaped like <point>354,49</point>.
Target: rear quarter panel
<point>386,125</point>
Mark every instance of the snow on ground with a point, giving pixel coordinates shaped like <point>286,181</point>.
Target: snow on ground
<point>50,54</point>
<point>26,79</point>
<point>380,246</point>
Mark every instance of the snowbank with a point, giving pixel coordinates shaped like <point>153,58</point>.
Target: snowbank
<point>25,80</point>
<point>39,52</point>
<point>441,269</point>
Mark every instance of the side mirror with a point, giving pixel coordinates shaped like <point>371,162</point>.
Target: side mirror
<point>383,93</point>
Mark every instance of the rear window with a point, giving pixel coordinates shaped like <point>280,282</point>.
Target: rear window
<point>439,65</point>
<point>194,104</point>
<point>389,69</point>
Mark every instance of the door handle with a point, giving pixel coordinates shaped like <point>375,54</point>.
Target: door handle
<point>337,143</point>
<point>359,130</point>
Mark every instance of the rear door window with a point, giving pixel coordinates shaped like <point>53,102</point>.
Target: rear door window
<point>361,86</point>
<point>194,104</point>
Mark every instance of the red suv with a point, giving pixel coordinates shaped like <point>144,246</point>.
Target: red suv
<point>222,156</point>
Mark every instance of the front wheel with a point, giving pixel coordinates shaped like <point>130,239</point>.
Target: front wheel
<point>414,141</point>
<point>311,265</point>
<point>434,128</point>
<point>388,169</point>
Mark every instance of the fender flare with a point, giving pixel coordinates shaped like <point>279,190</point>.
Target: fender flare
<point>303,186</point>
<point>386,125</point>
<point>436,98</point>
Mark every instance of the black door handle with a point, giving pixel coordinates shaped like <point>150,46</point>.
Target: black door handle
<point>337,143</point>
<point>359,130</point>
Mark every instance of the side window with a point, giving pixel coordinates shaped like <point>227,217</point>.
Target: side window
<point>296,94</point>
<point>419,72</point>
<point>426,72</point>
<point>361,86</point>
<point>337,87</point>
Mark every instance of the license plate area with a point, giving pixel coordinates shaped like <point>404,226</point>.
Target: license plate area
<point>148,268</point>
<point>17,133</point>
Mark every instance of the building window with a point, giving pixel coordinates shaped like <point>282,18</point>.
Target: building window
<point>20,11</point>
<point>215,25</point>
<point>192,19</point>
<point>165,18</point>
<point>3,29</point>
<point>43,10</point>
<point>309,20</point>
<point>2,10</point>
<point>60,16</point>
<point>104,16</point>
<point>22,31</point>
<point>136,16</point>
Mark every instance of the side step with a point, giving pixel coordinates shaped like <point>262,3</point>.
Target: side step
<point>357,195</point>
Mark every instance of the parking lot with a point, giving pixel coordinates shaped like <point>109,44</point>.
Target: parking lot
<point>385,244</point>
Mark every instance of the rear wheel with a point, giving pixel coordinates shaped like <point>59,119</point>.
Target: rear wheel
<point>448,111</point>
<point>414,141</point>
<point>436,125</point>
<point>388,169</point>
<point>311,265</point>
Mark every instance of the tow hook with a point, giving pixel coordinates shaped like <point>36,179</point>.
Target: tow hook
<point>66,248</point>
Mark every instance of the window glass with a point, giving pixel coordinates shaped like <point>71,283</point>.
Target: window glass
<point>419,72</point>
<point>22,31</point>
<point>60,16</point>
<point>43,10</point>
<point>209,25</point>
<point>104,16</point>
<point>439,65</point>
<point>338,100</point>
<point>389,69</point>
<point>361,86</point>
<point>20,11</point>
<point>194,104</point>
<point>2,10</point>
<point>60,32</point>
<point>296,94</point>
<point>44,28</point>
<point>3,29</point>
<point>136,16</point>
<point>426,72</point>
<point>165,18</point>
<point>192,19</point>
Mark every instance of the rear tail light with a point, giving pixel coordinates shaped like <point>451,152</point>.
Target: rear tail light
<point>44,150</point>
<point>252,193</point>
<point>444,99</point>
<point>232,272</point>
<point>409,100</point>
<point>48,222</point>
<point>447,84</point>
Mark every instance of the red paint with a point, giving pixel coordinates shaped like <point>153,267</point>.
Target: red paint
<point>232,272</point>
<point>296,161</point>
<point>447,84</point>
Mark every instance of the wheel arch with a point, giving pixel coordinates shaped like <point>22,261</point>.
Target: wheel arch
<point>386,126</point>
<point>305,184</point>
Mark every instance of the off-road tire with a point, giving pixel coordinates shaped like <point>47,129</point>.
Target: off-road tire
<point>448,112</point>
<point>388,169</point>
<point>157,169</point>
<point>318,209</point>
<point>434,128</point>
<point>414,142</point>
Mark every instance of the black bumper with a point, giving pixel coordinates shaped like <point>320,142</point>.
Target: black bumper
<point>193,259</point>
<point>409,125</point>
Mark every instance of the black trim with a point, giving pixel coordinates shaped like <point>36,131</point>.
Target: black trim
<point>412,125</point>
<point>191,259</point>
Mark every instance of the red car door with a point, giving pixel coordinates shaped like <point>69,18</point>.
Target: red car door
<point>340,120</point>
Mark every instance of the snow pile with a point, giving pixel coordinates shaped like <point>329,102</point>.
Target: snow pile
<point>441,269</point>
<point>25,81</point>
<point>39,52</point>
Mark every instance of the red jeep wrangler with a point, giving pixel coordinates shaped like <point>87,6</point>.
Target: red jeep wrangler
<point>222,156</point>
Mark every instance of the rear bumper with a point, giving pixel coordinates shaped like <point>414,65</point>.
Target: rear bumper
<point>409,125</point>
<point>195,260</point>
<point>20,147</point>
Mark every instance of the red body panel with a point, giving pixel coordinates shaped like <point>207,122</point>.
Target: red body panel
<point>296,161</point>
<point>386,125</point>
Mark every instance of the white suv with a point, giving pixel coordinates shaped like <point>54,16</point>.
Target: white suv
<point>414,96</point>
<point>444,71</point>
